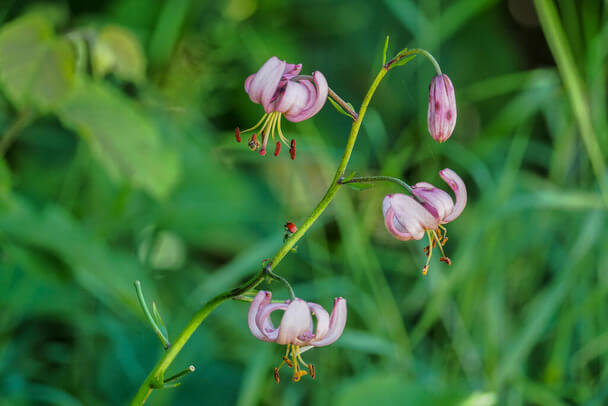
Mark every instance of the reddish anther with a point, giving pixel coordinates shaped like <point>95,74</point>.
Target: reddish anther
<point>277,149</point>
<point>237,134</point>
<point>311,368</point>
<point>446,260</point>
<point>263,151</point>
<point>276,375</point>
<point>292,149</point>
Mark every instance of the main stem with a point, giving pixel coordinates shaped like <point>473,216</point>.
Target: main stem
<point>155,378</point>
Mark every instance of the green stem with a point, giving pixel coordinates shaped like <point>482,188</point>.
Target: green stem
<point>292,294</point>
<point>556,38</point>
<point>155,378</point>
<point>414,51</point>
<point>11,133</point>
<point>364,179</point>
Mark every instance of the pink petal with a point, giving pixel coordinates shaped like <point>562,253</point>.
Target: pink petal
<point>264,322</point>
<point>408,219</point>
<point>459,189</point>
<point>437,202</point>
<point>295,322</point>
<point>337,322</point>
<point>260,301</point>
<point>315,102</point>
<point>322,320</point>
<point>292,70</point>
<point>294,98</point>
<point>264,84</point>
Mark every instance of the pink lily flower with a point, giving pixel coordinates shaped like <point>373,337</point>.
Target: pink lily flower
<point>408,219</point>
<point>278,89</point>
<point>442,108</point>
<point>296,328</point>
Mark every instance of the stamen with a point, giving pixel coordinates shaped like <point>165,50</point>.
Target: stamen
<point>276,375</point>
<point>429,255</point>
<point>446,260</point>
<point>237,134</point>
<point>277,149</point>
<point>292,149</point>
<point>263,151</point>
<point>311,368</point>
<point>257,125</point>
<point>437,239</point>
<point>281,136</point>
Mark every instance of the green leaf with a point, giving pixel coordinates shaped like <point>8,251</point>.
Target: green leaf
<point>384,51</point>
<point>403,61</point>
<point>349,177</point>
<point>339,108</point>
<point>117,51</point>
<point>360,186</point>
<point>159,320</point>
<point>36,69</point>
<point>122,139</point>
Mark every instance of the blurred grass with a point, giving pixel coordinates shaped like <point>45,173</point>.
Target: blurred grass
<point>518,319</point>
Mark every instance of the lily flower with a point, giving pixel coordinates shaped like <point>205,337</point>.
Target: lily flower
<point>278,89</point>
<point>407,218</point>
<point>296,328</point>
<point>442,108</point>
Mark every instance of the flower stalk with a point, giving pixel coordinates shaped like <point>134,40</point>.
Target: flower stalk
<point>155,377</point>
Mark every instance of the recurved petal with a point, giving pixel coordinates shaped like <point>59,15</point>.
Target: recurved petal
<point>437,202</point>
<point>292,70</point>
<point>322,320</point>
<point>459,189</point>
<point>411,216</point>
<point>264,322</point>
<point>316,100</point>
<point>260,301</point>
<point>337,321</point>
<point>263,86</point>
<point>295,322</point>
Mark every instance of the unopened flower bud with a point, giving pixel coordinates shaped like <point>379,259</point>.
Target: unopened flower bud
<point>442,108</point>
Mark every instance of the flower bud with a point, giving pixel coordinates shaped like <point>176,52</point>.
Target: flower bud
<point>442,108</point>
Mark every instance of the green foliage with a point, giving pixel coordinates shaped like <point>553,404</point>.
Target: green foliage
<point>124,167</point>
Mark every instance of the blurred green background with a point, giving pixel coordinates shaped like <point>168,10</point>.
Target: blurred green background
<point>119,163</point>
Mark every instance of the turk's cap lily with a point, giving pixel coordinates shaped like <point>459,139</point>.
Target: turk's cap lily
<point>442,108</point>
<point>279,89</point>
<point>296,326</point>
<point>274,87</point>
<point>407,219</point>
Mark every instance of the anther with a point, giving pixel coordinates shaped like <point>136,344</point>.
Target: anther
<point>425,269</point>
<point>426,250</point>
<point>277,149</point>
<point>263,151</point>
<point>287,361</point>
<point>446,260</point>
<point>311,368</point>
<point>237,134</point>
<point>445,239</point>
<point>292,149</point>
<point>276,375</point>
